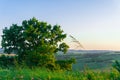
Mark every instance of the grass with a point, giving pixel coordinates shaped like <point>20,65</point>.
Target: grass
<point>100,68</point>
<point>34,74</point>
<point>44,74</point>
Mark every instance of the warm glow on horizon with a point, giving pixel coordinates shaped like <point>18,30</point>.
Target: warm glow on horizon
<point>94,44</point>
<point>95,47</point>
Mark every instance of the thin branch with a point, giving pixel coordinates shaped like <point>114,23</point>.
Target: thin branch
<point>76,41</point>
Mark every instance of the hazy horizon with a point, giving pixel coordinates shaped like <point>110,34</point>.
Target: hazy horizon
<point>95,23</point>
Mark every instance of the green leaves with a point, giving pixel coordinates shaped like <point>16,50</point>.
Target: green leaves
<point>11,38</point>
<point>34,37</point>
<point>63,47</point>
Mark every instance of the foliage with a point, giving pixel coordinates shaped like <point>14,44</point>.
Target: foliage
<point>6,61</point>
<point>34,59</point>
<point>34,42</point>
<point>33,35</point>
<point>65,64</point>
<point>44,74</point>
<point>116,65</point>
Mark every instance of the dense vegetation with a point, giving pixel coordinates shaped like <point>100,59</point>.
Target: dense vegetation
<point>35,43</point>
<point>44,74</point>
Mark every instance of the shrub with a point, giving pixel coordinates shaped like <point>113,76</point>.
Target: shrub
<point>65,64</point>
<point>7,61</point>
<point>116,65</point>
<point>35,59</point>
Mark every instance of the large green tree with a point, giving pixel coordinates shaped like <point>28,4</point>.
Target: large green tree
<point>34,38</point>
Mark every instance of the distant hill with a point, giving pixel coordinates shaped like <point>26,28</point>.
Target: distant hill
<point>93,59</point>
<point>89,51</point>
<point>71,51</point>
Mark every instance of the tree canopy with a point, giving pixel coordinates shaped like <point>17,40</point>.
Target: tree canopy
<point>33,34</point>
<point>34,41</point>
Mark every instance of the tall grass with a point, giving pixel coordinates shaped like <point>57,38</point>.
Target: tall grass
<point>44,74</point>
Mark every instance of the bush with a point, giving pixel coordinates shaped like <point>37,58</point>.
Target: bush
<point>35,59</point>
<point>65,64</point>
<point>116,65</point>
<point>7,61</point>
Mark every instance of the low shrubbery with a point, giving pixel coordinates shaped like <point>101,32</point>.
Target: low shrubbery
<point>116,65</point>
<point>34,60</point>
<point>65,64</point>
<point>7,61</point>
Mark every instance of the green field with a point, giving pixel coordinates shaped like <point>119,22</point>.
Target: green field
<point>93,60</point>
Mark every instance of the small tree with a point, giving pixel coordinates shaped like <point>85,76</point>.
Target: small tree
<point>34,41</point>
<point>116,65</point>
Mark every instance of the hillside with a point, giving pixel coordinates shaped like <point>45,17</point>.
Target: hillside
<point>93,59</point>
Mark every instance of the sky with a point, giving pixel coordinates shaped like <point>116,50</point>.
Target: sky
<point>95,23</point>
